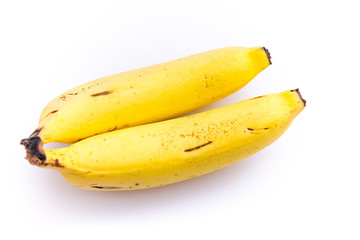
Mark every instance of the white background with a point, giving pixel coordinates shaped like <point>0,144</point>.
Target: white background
<point>304,186</point>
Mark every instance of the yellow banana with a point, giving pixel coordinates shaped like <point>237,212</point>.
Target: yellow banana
<point>149,94</point>
<point>170,151</point>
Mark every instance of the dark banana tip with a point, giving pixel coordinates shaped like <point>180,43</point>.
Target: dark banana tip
<point>34,150</point>
<point>267,54</point>
<point>298,92</point>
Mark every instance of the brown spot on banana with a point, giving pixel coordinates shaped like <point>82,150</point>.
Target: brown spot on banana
<point>257,130</point>
<point>101,93</point>
<point>252,129</point>
<point>57,164</point>
<point>55,111</point>
<point>256,97</point>
<point>197,147</point>
<point>106,187</point>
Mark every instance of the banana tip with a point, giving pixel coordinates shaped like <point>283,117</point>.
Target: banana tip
<point>34,150</point>
<point>267,54</point>
<point>298,92</point>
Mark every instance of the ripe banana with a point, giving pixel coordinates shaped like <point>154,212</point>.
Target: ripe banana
<point>170,151</point>
<point>149,94</point>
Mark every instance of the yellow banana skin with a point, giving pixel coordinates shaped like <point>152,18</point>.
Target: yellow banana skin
<point>170,151</point>
<point>149,94</point>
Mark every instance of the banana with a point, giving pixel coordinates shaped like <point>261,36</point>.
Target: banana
<point>149,94</point>
<point>174,150</point>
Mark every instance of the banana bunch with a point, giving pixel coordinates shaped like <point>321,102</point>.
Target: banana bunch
<point>125,133</point>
